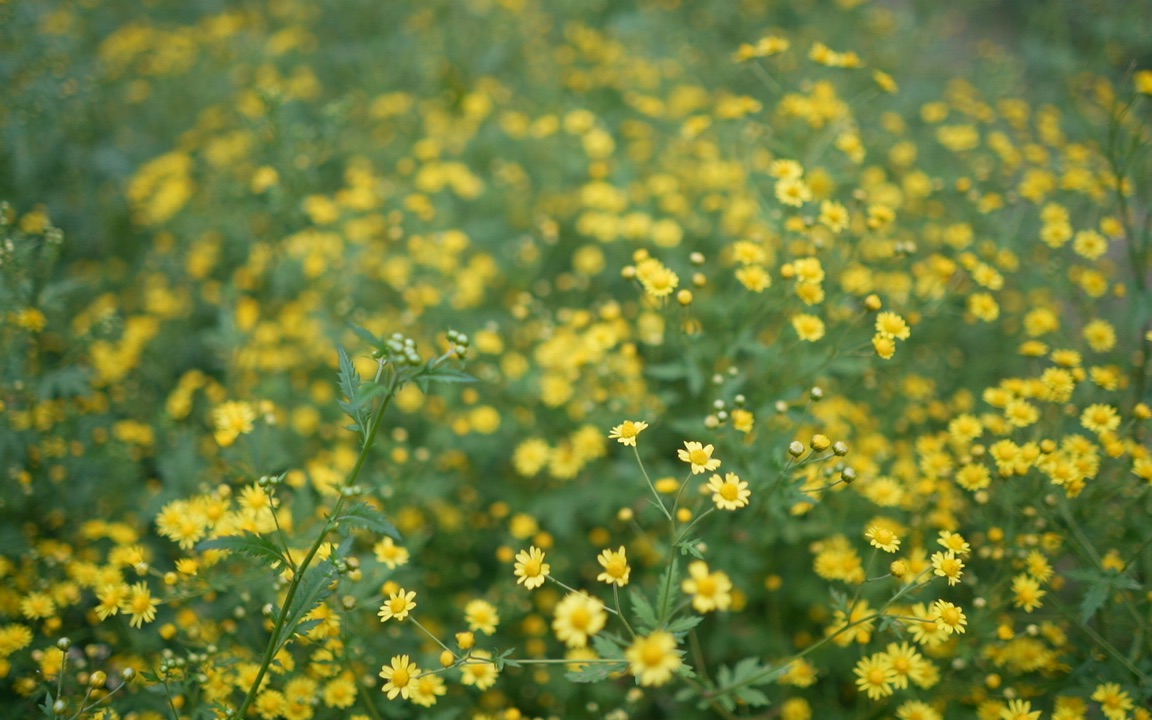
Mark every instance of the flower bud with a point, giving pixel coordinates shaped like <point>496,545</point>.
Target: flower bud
<point>796,448</point>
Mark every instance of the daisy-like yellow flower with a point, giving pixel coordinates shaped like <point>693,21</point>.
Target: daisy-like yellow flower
<point>481,616</point>
<point>808,327</point>
<point>1100,418</point>
<point>1026,593</point>
<point>231,420</point>
<point>426,688</point>
<point>946,564</point>
<point>627,431</point>
<point>1114,702</point>
<point>578,617</point>
<point>391,554</point>
<point>954,542</point>
<point>1019,710</point>
<point>398,605</point>
<point>793,191</point>
<point>399,677</point>
<point>531,570</point>
<point>111,597</point>
<point>875,676</point>
<point>616,569</point>
<point>654,658</point>
<point>729,492</point>
<point>709,590</point>
<point>916,710</point>
<point>699,456</point>
<point>891,325</point>
<point>950,617</point>
<point>478,671</point>
<point>139,605</point>
<point>883,538</point>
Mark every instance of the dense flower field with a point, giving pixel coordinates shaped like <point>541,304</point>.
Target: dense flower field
<point>502,359</point>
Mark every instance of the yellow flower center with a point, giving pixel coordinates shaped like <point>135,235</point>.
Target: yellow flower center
<point>729,491</point>
<point>400,677</point>
<point>698,457</point>
<point>580,618</point>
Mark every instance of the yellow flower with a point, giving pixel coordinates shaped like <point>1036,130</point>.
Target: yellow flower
<point>1019,710</point>
<point>578,617</point>
<point>729,493</point>
<point>654,658</point>
<point>481,616</point>
<point>875,676</point>
<point>1100,418</point>
<point>883,538</point>
<point>699,456</point>
<point>1026,593</point>
<point>891,325</point>
<point>391,554</point>
<point>231,420</point>
<point>400,677</point>
<point>627,431</point>
<point>949,616</point>
<point>1114,702</point>
<point>808,327</point>
<point>615,564</point>
<point>139,605</point>
<point>946,564</point>
<point>478,671</point>
<point>399,604</point>
<point>426,688</point>
<point>531,570</point>
<point>710,591</point>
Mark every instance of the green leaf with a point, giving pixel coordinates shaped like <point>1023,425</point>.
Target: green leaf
<point>753,697</point>
<point>350,386</point>
<point>684,624</point>
<point>606,647</point>
<point>669,588</point>
<point>365,516</point>
<point>254,546</point>
<point>593,672</point>
<point>642,610</point>
<point>1093,600</point>
<point>313,588</point>
<point>366,336</point>
<point>688,547</point>
<point>450,375</point>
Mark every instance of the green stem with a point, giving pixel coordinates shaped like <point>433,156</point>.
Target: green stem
<point>651,486</point>
<point>298,574</point>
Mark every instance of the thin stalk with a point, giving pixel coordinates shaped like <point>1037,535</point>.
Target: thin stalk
<point>298,575</point>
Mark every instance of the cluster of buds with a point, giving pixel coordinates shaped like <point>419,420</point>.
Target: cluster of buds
<point>399,349</point>
<point>459,342</point>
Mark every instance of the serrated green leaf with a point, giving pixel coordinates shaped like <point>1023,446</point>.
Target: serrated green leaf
<point>607,648</point>
<point>747,668</point>
<point>365,516</point>
<point>450,375</point>
<point>366,336</point>
<point>752,697</point>
<point>669,587</point>
<point>350,387</point>
<point>254,546</point>
<point>642,610</point>
<point>688,547</point>
<point>684,624</point>
<point>593,672</point>
<point>1093,600</point>
<point>312,590</point>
